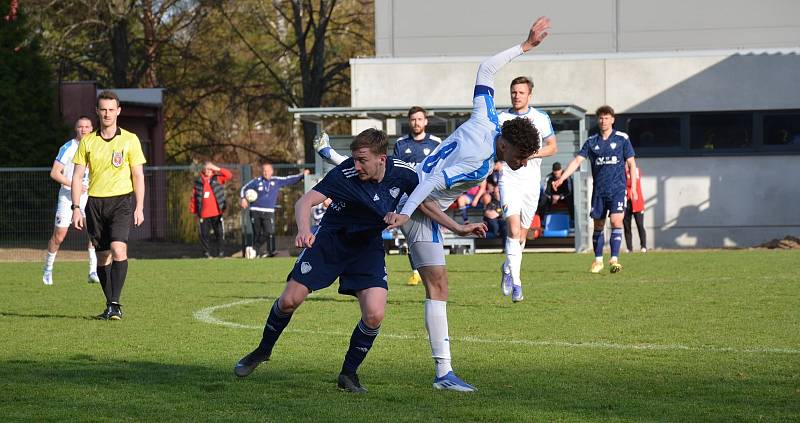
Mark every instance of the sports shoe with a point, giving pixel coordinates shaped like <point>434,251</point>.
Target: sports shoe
<point>644,250</point>
<point>451,382</point>
<point>104,314</point>
<point>93,278</point>
<point>350,383</point>
<point>414,279</point>
<point>322,145</point>
<point>47,278</point>
<point>115,311</point>
<point>506,280</point>
<point>248,363</point>
<point>516,295</point>
<point>615,267</point>
<point>597,267</point>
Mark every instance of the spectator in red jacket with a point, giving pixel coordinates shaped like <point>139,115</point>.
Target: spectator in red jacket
<point>208,203</point>
<point>635,208</point>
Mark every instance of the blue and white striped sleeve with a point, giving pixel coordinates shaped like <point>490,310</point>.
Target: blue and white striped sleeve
<point>63,151</point>
<point>483,95</point>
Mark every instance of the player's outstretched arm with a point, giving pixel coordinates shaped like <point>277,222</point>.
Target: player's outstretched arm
<point>302,216</point>
<point>571,168</point>
<point>431,209</point>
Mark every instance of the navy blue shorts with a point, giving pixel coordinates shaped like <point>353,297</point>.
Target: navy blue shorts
<point>356,259</point>
<point>605,204</point>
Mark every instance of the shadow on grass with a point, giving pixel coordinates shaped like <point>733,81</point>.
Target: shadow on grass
<point>85,387</point>
<point>45,316</point>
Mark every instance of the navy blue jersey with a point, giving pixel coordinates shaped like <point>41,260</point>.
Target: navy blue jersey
<point>608,161</point>
<point>411,151</point>
<point>268,190</point>
<point>358,205</point>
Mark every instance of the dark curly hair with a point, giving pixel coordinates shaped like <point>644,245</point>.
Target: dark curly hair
<point>521,133</point>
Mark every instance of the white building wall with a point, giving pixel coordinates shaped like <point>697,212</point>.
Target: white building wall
<point>711,202</point>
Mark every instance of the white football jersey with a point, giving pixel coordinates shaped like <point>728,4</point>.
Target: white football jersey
<point>65,155</point>
<point>530,174</point>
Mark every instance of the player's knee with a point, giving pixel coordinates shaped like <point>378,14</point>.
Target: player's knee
<point>373,318</point>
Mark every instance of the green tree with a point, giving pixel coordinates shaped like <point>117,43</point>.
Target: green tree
<point>30,128</point>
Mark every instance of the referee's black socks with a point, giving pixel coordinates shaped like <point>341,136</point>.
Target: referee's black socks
<point>119,270</point>
<point>104,274</point>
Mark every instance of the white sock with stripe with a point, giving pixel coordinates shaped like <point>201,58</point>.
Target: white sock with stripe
<point>436,324</point>
<point>514,259</point>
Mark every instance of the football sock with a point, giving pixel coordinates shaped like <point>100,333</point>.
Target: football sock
<point>92,260</point>
<point>597,243</point>
<point>276,323</point>
<point>616,242</point>
<point>360,342</point>
<point>464,216</point>
<point>103,273</point>
<point>436,324</point>
<point>514,258</point>
<point>119,270</point>
<point>49,259</point>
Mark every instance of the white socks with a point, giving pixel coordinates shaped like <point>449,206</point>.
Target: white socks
<point>49,259</point>
<point>514,258</point>
<point>92,261</point>
<point>436,324</point>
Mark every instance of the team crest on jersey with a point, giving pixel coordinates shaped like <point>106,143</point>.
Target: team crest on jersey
<point>116,159</point>
<point>613,145</point>
<point>305,267</point>
<point>376,198</point>
<point>394,192</point>
<point>426,151</point>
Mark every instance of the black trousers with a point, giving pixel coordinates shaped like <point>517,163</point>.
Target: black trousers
<point>263,230</point>
<point>626,223</point>
<point>212,244</point>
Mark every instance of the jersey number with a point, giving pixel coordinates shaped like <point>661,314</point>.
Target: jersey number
<point>431,161</point>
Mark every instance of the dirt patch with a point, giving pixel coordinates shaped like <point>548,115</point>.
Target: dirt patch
<point>787,243</point>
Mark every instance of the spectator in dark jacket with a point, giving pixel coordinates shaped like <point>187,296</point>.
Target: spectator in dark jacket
<point>208,203</point>
<point>563,195</point>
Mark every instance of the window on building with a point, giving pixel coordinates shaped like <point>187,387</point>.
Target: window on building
<point>782,129</point>
<point>723,131</point>
<point>654,132</point>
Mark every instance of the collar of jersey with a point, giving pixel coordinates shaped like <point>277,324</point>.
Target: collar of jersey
<point>511,111</point>
<point>116,134</point>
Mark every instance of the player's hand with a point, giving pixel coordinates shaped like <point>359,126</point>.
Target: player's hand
<point>306,172</point>
<point>243,202</point>
<point>77,219</point>
<point>138,217</point>
<point>537,33</point>
<point>634,195</point>
<point>477,229</point>
<point>395,220</point>
<point>304,239</point>
<point>557,183</point>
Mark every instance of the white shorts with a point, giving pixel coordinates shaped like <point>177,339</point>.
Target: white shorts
<point>424,238</point>
<point>64,208</point>
<point>519,200</point>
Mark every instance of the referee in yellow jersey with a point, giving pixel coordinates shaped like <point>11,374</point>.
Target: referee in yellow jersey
<point>115,158</point>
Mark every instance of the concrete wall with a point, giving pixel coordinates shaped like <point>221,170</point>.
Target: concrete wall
<point>414,28</point>
<point>710,202</point>
<point>635,82</point>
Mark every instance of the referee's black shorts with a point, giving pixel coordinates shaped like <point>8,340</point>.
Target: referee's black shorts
<point>108,219</point>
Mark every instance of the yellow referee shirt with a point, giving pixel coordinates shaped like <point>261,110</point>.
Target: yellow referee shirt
<point>110,162</point>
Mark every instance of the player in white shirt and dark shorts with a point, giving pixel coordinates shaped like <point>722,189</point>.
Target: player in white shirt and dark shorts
<point>519,189</point>
<point>61,172</point>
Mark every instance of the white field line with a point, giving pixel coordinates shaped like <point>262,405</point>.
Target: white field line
<point>206,315</point>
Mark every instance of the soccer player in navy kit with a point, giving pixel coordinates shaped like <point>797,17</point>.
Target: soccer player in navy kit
<point>347,245</point>
<point>609,152</point>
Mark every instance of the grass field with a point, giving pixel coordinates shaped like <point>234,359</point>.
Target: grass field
<point>695,336</point>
